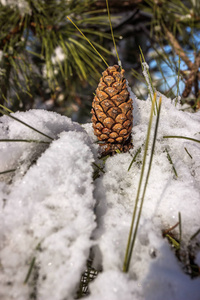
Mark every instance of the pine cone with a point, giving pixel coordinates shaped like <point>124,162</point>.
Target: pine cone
<point>112,116</point>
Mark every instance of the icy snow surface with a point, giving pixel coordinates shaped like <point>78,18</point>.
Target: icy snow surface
<point>48,209</point>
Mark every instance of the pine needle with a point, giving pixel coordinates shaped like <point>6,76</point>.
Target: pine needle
<point>99,168</point>
<point>88,41</point>
<point>27,125</point>
<point>180,227</point>
<point>7,109</point>
<point>175,244</point>
<point>171,162</point>
<point>7,171</point>
<point>25,141</point>
<point>180,137</point>
<point>30,270</point>
<point>188,152</point>
<point>195,234</point>
<point>134,158</point>
<point>178,81</point>
<point>111,29</point>
<point>132,235</point>
<point>142,60</point>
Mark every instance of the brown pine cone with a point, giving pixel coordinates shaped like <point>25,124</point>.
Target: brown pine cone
<point>112,116</point>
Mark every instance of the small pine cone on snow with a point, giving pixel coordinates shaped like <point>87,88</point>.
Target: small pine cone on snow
<point>112,116</point>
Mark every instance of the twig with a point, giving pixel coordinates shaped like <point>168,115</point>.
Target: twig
<point>170,229</point>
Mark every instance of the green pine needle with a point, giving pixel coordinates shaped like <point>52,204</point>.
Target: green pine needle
<point>25,141</point>
<point>30,270</point>
<point>27,125</point>
<point>180,137</point>
<point>134,158</point>
<point>7,171</point>
<point>171,162</point>
<point>188,152</point>
<point>133,234</point>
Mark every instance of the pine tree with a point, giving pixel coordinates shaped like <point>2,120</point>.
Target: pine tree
<point>44,62</point>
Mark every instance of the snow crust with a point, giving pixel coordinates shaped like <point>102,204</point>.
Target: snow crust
<point>52,212</point>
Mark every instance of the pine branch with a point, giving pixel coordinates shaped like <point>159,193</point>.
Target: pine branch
<point>193,78</point>
<point>177,48</point>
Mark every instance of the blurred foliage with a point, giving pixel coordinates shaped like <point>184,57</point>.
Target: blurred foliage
<point>46,63</point>
<point>169,35</point>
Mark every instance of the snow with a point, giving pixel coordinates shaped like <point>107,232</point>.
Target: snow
<point>146,76</point>
<point>53,211</point>
<point>50,206</point>
<point>22,5</point>
<point>58,56</point>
